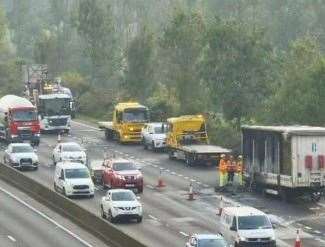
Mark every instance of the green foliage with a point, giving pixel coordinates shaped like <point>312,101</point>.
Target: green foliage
<point>78,84</point>
<point>96,27</point>
<point>237,66</point>
<point>162,103</point>
<point>300,98</point>
<point>140,62</point>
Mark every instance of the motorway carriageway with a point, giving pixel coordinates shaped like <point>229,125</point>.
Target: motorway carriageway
<point>169,218</point>
<point>25,223</point>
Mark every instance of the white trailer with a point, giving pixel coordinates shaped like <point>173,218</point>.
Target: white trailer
<point>285,160</point>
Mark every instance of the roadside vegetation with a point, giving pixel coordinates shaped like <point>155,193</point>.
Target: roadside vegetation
<point>238,62</point>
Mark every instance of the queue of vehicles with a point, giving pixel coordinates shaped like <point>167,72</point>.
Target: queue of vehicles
<point>267,151</point>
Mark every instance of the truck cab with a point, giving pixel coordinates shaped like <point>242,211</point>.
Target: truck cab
<point>54,112</point>
<point>128,121</point>
<point>187,140</point>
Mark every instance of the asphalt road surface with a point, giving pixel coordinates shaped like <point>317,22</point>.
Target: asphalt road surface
<point>26,223</point>
<point>169,218</point>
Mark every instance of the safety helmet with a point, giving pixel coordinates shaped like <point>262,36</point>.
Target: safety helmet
<point>223,156</point>
<point>240,156</point>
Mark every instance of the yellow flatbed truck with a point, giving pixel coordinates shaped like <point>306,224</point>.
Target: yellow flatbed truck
<point>187,140</point>
<point>128,121</point>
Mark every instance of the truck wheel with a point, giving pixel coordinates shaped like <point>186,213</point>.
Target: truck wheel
<point>153,147</point>
<point>108,134</point>
<point>144,144</point>
<point>102,212</point>
<point>171,155</point>
<point>188,160</point>
<point>315,196</point>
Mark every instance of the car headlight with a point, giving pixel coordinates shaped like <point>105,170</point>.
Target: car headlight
<point>120,177</point>
<point>14,159</point>
<point>241,238</point>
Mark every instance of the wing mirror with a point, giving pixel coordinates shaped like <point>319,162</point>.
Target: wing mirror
<point>232,228</point>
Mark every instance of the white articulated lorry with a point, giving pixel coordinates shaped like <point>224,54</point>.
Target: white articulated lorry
<point>288,161</point>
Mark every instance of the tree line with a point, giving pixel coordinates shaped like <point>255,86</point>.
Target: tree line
<point>238,62</point>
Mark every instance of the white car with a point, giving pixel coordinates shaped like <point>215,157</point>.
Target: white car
<point>21,155</point>
<point>69,151</point>
<point>154,135</point>
<point>73,179</point>
<point>121,204</point>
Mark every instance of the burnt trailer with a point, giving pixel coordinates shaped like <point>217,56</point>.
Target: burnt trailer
<point>288,161</point>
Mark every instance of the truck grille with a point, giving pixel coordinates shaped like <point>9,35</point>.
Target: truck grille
<point>80,187</point>
<point>58,121</point>
<point>25,134</point>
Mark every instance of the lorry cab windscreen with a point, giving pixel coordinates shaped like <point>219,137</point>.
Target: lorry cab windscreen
<point>30,115</point>
<point>161,130</point>
<point>253,222</point>
<point>56,106</point>
<point>137,115</point>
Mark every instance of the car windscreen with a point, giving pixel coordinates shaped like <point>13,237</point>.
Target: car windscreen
<point>160,129</point>
<point>124,166</point>
<point>212,243</point>
<point>71,148</point>
<point>123,196</point>
<point>135,115</point>
<point>253,222</point>
<point>77,173</point>
<point>22,149</point>
<point>29,115</point>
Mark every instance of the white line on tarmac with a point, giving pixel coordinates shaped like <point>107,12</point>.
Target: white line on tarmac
<point>153,217</point>
<point>11,238</point>
<point>184,234</point>
<point>46,217</point>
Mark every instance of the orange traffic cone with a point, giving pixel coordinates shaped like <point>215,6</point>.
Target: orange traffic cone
<point>161,183</point>
<point>298,241</point>
<point>191,193</point>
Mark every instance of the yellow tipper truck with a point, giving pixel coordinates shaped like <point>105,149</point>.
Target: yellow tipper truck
<point>187,140</point>
<point>128,120</point>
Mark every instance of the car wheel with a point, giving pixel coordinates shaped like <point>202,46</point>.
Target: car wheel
<point>64,192</point>
<point>36,168</point>
<point>102,212</point>
<point>153,147</point>
<point>55,187</point>
<point>139,219</point>
<point>110,217</point>
<point>91,196</point>
<point>4,160</point>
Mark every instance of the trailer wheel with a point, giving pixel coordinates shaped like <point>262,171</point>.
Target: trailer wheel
<point>315,196</point>
<point>171,155</point>
<point>188,160</point>
<point>108,134</point>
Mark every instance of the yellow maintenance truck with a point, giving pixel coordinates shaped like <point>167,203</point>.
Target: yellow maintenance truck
<point>128,120</point>
<point>187,140</point>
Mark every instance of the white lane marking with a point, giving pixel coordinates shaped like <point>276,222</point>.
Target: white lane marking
<point>317,232</point>
<point>85,125</point>
<point>46,217</point>
<point>173,173</point>
<point>308,228</point>
<point>180,175</point>
<point>184,234</point>
<point>167,170</point>
<point>193,180</point>
<point>199,183</point>
<point>150,186</point>
<point>11,238</point>
<point>153,217</point>
<point>154,166</point>
<point>186,178</point>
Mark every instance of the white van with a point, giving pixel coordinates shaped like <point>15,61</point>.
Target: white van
<point>247,226</point>
<point>73,179</point>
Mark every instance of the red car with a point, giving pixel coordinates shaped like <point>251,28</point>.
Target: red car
<point>121,173</point>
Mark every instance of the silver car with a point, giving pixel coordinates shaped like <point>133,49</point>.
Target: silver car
<point>21,155</point>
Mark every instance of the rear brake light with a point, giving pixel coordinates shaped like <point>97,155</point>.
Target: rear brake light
<point>309,162</point>
<point>321,161</point>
